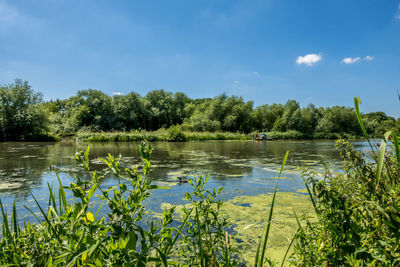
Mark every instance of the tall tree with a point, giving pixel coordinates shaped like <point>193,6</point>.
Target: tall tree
<point>21,118</point>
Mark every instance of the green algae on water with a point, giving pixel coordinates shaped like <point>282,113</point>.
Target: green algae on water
<point>248,215</point>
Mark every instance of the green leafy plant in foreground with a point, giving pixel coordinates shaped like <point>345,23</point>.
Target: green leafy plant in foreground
<point>358,211</point>
<point>72,234</point>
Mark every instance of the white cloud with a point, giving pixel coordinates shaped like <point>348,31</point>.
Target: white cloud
<point>309,59</point>
<point>236,82</point>
<point>369,58</point>
<point>117,93</point>
<point>350,60</point>
<point>255,72</point>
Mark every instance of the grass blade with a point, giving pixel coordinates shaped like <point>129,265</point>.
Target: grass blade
<point>261,254</point>
<point>6,227</point>
<point>45,217</point>
<point>200,241</point>
<point>14,219</point>
<point>288,248</point>
<point>379,163</point>
<point>61,193</point>
<point>310,194</point>
<point>34,215</point>
<point>396,143</point>
<point>178,232</point>
<point>52,198</point>
<point>357,101</point>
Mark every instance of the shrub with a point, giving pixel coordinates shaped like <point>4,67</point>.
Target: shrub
<point>175,134</point>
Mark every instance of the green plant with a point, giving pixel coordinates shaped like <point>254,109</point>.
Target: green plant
<point>73,233</point>
<point>175,134</point>
<point>206,242</point>
<point>358,211</point>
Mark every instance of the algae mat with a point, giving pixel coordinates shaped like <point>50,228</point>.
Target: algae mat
<point>248,216</point>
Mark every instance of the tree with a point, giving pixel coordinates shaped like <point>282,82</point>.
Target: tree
<point>129,112</point>
<point>159,105</point>
<point>99,114</point>
<point>21,118</point>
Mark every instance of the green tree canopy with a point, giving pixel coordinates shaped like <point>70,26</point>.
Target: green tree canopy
<point>21,118</point>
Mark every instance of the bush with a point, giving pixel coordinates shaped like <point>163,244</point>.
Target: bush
<point>72,234</point>
<point>175,134</point>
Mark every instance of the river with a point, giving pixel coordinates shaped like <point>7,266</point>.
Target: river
<point>241,167</point>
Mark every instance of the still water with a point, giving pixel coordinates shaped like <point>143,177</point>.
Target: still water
<point>241,167</point>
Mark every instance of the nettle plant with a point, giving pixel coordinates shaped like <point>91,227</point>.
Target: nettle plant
<point>72,233</point>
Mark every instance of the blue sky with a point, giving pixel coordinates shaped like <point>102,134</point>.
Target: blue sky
<point>324,52</point>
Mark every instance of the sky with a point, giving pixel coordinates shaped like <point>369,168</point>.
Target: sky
<point>314,51</point>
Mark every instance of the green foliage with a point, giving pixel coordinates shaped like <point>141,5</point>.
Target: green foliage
<point>93,111</point>
<point>72,233</point>
<point>175,134</point>
<point>21,116</point>
<point>160,135</point>
<point>291,134</point>
<point>222,113</point>
<point>358,211</point>
<point>206,242</point>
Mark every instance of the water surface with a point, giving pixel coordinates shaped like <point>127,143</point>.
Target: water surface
<point>241,167</point>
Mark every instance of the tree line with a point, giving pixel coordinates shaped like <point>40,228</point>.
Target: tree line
<point>25,116</point>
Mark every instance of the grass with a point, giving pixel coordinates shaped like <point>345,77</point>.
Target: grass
<point>159,135</point>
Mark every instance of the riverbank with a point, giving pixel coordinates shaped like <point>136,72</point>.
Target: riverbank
<point>162,135</point>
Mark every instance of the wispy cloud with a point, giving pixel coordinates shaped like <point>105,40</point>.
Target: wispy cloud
<point>397,16</point>
<point>255,72</point>
<point>350,60</point>
<point>309,59</point>
<point>7,13</point>
<point>116,93</point>
<point>11,18</point>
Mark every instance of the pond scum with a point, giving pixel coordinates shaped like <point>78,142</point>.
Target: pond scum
<point>349,219</point>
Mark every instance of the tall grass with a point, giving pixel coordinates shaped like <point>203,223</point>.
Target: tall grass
<point>160,135</point>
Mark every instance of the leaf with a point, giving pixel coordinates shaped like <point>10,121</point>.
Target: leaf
<point>357,101</point>
<point>379,163</point>
<point>396,143</point>
<point>288,248</point>
<point>87,158</point>
<point>89,217</point>
<point>132,239</point>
